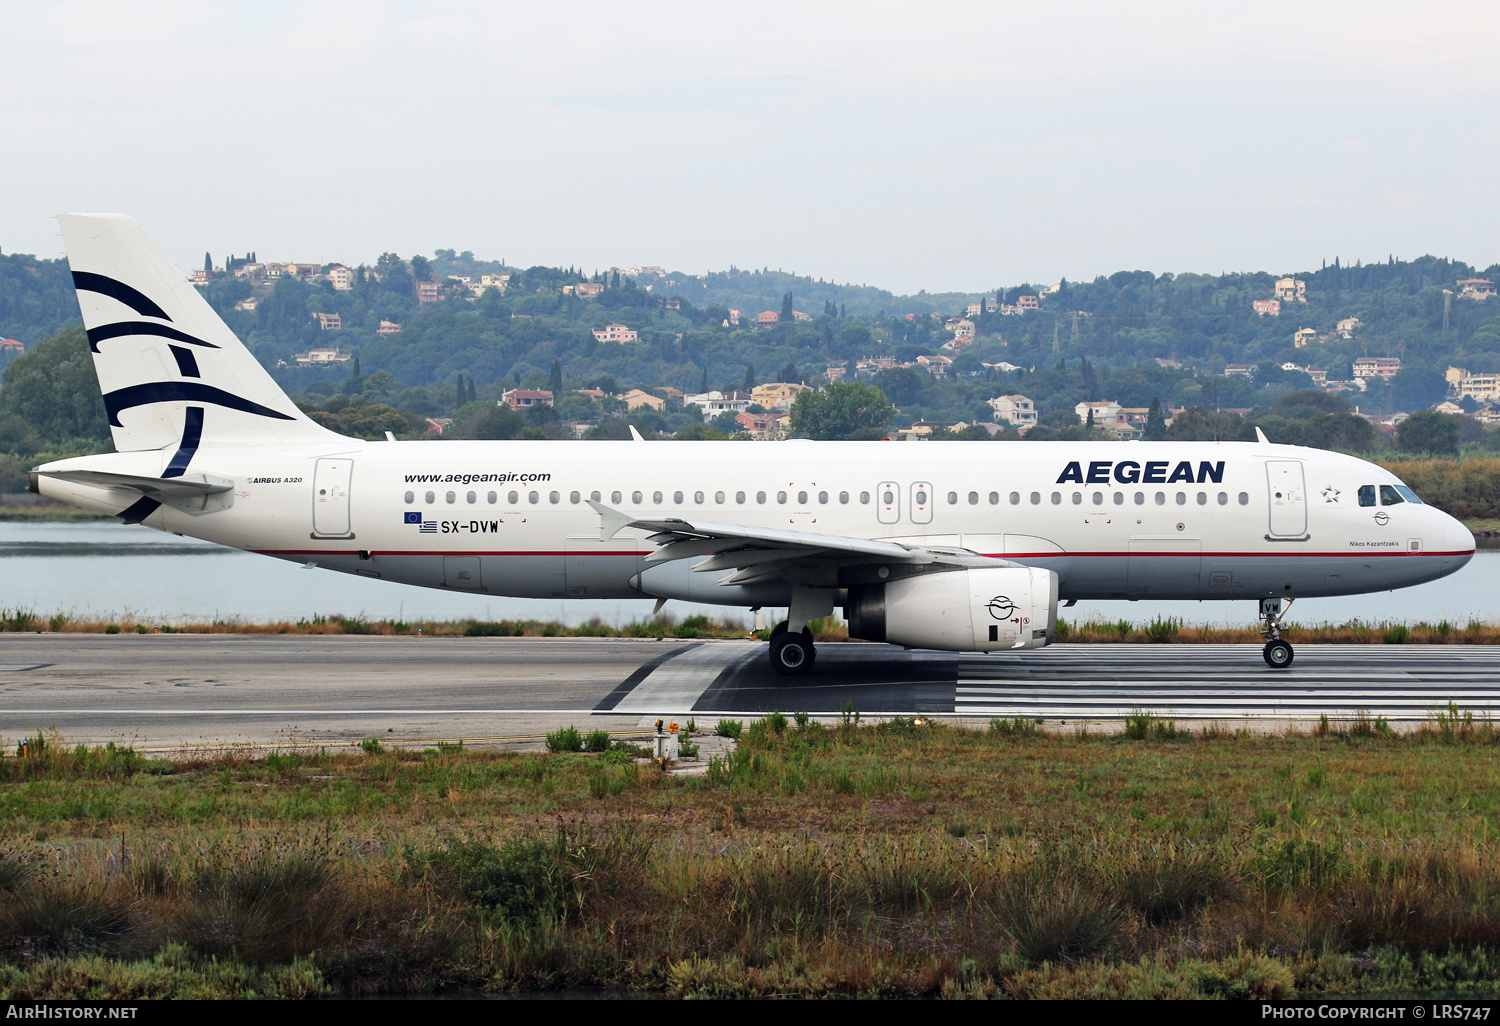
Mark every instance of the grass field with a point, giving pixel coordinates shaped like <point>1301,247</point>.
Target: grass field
<point>1160,630</point>
<point>890,859</point>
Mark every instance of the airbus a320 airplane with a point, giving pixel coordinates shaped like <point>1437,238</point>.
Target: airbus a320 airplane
<point>964,546</point>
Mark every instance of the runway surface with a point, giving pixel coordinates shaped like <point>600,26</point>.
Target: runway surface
<point>188,689</point>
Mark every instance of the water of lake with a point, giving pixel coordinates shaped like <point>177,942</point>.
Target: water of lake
<point>110,571</point>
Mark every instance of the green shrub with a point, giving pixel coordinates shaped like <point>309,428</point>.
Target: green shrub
<point>1017,727</point>
<point>1163,629</point>
<point>730,729</point>
<point>370,745</point>
<point>776,722</point>
<point>596,741</point>
<point>523,879</point>
<point>1397,633</point>
<point>1052,920</point>
<point>113,628</point>
<point>565,740</point>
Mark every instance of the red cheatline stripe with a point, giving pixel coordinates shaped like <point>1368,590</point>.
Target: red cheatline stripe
<point>992,555</point>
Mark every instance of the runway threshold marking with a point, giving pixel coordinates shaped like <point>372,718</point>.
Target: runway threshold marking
<point>674,687</point>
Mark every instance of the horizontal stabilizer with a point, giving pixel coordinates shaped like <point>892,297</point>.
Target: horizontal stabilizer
<point>191,493</point>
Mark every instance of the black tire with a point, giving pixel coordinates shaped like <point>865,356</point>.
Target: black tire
<point>792,655</point>
<point>779,629</point>
<point>1278,655</point>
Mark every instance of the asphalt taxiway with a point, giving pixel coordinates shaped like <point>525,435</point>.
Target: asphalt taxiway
<point>192,689</point>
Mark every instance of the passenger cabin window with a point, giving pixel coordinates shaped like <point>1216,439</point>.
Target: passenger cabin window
<point>492,498</point>
<point>410,498</point>
<point>1036,498</point>
<point>677,498</point>
<point>1140,498</point>
<point>802,498</point>
<point>1098,498</point>
<point>554,497</point>
<point>1367,495</point>
<point>953,498</point>
<point>431,498</point>
<point>781,497</point>
<point>594,496</point>
<point>698,498</point>
<point>739,497</point>
<point>823,497</point>
<point>1223,498</point>
<point>843,498</point>
<point>1057,498</point>
<point>719,498</point>
<point>1119,498</point>
<point>534,497</point>
<point>575,498</point>
<point>452,497</point>
<point>760,497</point>
<point>471,497</point>
<point>656,498</point>
<point>1203,498</point>
<point>1389,496</point>
<point>973,498</point>
<point>637,498</point>
<point>864,498</point>
<point>1182,498</point>
<point>1161,498</point>
<point>617,498</point>
<point>514,497</point>
<point>1077,498</point>
<point>1244,498</point>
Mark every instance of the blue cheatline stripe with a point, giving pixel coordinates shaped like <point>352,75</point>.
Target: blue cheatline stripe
<point>87,281</point>
<point>180,391</point>
<point>120,329</point>
<point>192,434</point>
<point>139,510</point>
<point>187,363</point>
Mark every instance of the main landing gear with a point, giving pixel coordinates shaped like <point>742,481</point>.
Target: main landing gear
<point>792,653</point>
<point>1278,653</point>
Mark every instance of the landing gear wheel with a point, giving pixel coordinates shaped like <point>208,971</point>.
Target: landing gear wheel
<point>792,655</point>
<point>780,628</point>
<point>1278,654</point>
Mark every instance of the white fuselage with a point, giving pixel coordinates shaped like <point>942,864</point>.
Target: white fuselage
<point>1141,520</point>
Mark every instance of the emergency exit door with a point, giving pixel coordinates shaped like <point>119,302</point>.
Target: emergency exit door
<point>332,478</point>
<point>1286,491</point>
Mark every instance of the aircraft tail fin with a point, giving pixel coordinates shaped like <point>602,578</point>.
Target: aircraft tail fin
<point>172,372</point>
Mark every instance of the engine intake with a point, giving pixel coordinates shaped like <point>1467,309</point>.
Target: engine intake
<point>979,610</point>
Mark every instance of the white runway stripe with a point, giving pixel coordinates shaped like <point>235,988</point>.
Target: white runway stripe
<point>1227,681</point>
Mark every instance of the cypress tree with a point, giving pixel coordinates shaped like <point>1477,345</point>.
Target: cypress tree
<point>749,377</point>
<point>556,382</point>
<point>786,309</point>
<point>208,262</point>
<point>1156,424</point>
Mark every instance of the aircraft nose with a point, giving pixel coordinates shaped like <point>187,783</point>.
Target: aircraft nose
<point>1458,540</point>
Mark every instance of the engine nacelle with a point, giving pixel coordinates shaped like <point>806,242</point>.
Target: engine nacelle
<point>982,610</point>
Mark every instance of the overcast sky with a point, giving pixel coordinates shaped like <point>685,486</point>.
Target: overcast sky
<point>931,145</point>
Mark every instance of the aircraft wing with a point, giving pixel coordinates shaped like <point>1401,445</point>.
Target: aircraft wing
<point>759,554</point>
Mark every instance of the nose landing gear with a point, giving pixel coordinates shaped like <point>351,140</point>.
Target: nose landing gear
<point>1278,654</point>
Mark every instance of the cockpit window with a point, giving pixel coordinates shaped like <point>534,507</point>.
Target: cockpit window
<point>1407,494</point>
<point>1389,496</point>
<point>1367,495</point>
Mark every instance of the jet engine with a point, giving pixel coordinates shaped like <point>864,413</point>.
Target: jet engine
<point>990,609</point>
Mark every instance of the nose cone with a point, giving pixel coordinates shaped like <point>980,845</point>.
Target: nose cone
<point>1457,542</point>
